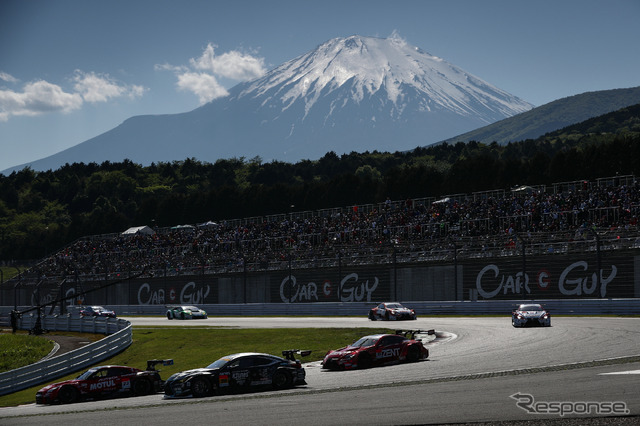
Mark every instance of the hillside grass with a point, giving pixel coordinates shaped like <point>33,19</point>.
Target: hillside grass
<point>20,349</point>
<point>198,347</point>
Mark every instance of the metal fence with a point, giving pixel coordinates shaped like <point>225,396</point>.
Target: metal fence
<point>478,307</point>
<point>119,338</point>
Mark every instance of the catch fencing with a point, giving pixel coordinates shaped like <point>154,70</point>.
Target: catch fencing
<point>119,338</point>
<point>471,308</point>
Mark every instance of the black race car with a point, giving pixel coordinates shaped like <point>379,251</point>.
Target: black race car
<point>105,381</point>
<point>240,372</point>
<point>529,315</point>
<point>97,311</point>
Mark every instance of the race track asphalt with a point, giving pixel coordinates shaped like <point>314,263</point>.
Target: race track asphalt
<point>469,377</point>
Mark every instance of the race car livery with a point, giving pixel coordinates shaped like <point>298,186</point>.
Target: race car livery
<point>377,350</point>
<point>528,315</point>
<point>105,381</point>
<point>97,311</point>
<point>391,311</point>
<point>186,312</point>
<point>240,372</point>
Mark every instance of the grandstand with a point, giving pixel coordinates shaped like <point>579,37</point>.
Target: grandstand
<point>570,217</point>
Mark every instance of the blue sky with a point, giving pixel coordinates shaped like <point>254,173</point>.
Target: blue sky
<point>73,69</point>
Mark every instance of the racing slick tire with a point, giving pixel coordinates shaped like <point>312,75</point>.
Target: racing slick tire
<point>141,387</point>
<point>169,315</point>
<point>372,316</point>
<point>413,354</point>
<point>364,361</point>
<point>181,315</point>
<point>282,380</point>
<point>200,387</point>
<point>386,315</point>
<point>68,395</point>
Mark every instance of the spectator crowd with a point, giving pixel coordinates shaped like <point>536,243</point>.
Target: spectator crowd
<point>478,224</point>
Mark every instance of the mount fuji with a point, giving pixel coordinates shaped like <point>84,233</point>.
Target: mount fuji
<point>348,94</point>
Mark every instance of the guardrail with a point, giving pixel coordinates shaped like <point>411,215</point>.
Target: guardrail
<point>119,338</point>
<point>478,307</point>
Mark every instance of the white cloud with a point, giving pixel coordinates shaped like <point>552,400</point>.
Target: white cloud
<point>41,97</point>
<point>7,77</point>
<point>100,88</point>
<point>204,85</point>
<point>202,74</point>
<point>234,65</point>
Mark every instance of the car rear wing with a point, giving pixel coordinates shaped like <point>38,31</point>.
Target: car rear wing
<point>151,364</point>
<point>290,353</point>
<point>411,334</point>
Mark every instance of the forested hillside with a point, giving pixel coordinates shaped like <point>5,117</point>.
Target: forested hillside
<point>42,211</point>
<point>552,116</point>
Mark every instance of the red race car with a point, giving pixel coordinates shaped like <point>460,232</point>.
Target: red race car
<point>378,349</point>
<point>105,381</point>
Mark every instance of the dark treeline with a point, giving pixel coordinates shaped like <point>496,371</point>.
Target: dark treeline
<point>42,211</point>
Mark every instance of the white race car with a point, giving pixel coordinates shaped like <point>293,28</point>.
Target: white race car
<point>391,311</point>
<point>530,315</point>
<point>186,312</point>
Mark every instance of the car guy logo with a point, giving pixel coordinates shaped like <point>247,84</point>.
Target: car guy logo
<point>574,280</point>
<point>190,294</point>
<point>350,289</point>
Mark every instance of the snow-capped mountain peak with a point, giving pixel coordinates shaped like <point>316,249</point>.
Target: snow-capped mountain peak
<point>348,94</point>
<point>369,65</point>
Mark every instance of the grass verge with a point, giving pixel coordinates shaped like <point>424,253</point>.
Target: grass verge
<point>193,348</point>
<point>20,349</point>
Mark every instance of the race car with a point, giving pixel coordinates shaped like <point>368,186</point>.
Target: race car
<point>96,311</point>
<point>530,315</point>
<point>240,372</point>
<point>377,350</point>
<point>391,311</point>
<point>185,312</point>
<point>105,381</point>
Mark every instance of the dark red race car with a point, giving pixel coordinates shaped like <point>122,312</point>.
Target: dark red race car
<point>105,381</point>
<point>378,349</point>
<point>391,311</point>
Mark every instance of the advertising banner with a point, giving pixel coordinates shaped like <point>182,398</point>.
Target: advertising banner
<point>550,277</point>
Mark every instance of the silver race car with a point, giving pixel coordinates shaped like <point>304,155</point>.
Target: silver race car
<point>527,315</point>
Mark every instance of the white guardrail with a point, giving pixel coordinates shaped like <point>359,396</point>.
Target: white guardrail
<point>119,338</point>
<point>477,307</point>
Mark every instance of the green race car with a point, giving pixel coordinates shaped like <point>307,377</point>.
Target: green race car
<point>185,312</point>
